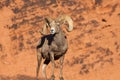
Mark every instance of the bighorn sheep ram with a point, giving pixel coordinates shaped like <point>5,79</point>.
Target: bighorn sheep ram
<point>53,46</point>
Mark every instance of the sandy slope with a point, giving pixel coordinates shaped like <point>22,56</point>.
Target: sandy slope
<point>94,44</point>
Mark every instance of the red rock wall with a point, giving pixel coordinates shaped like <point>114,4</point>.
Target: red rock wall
<point>94,44</point>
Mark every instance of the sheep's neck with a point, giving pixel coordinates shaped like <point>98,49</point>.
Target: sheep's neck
<point>59,38</point>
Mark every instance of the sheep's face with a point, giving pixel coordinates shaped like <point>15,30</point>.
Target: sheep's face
<point>54,27</point>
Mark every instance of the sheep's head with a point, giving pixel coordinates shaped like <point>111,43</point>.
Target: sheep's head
<point>54,24</point>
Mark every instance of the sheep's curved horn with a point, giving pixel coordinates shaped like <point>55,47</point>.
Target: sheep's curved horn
<point>47,22</point>
<point>43,31</point>
<point>65,18</point>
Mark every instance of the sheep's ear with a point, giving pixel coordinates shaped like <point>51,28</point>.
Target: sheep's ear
<point>47,21</point>
<point>65,18</point>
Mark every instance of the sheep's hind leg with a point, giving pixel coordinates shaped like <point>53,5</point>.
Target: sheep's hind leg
<point>46,62</point>
<point>39,59</point>
<point>61,67</point>
<point>53,65</point>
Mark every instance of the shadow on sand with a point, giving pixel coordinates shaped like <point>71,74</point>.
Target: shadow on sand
<point>18,77</point>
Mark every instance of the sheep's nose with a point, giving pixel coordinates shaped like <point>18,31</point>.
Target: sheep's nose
<point>52,31</point>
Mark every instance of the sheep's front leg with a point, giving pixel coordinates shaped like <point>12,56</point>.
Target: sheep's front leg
<point>61,67</point>
<point>39,59</point>
<point>46,62</point>
<point>53,65</point>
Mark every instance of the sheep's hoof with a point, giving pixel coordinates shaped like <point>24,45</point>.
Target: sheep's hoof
<point>52,77</point>
<point>61,78</point>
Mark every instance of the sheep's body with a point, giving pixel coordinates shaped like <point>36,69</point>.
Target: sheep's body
<point>56,43</point>
<point>53,46</point>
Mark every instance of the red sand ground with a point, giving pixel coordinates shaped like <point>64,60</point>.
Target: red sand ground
<point>94,44</point>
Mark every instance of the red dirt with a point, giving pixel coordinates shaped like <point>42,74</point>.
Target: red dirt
<point>94,44</point>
